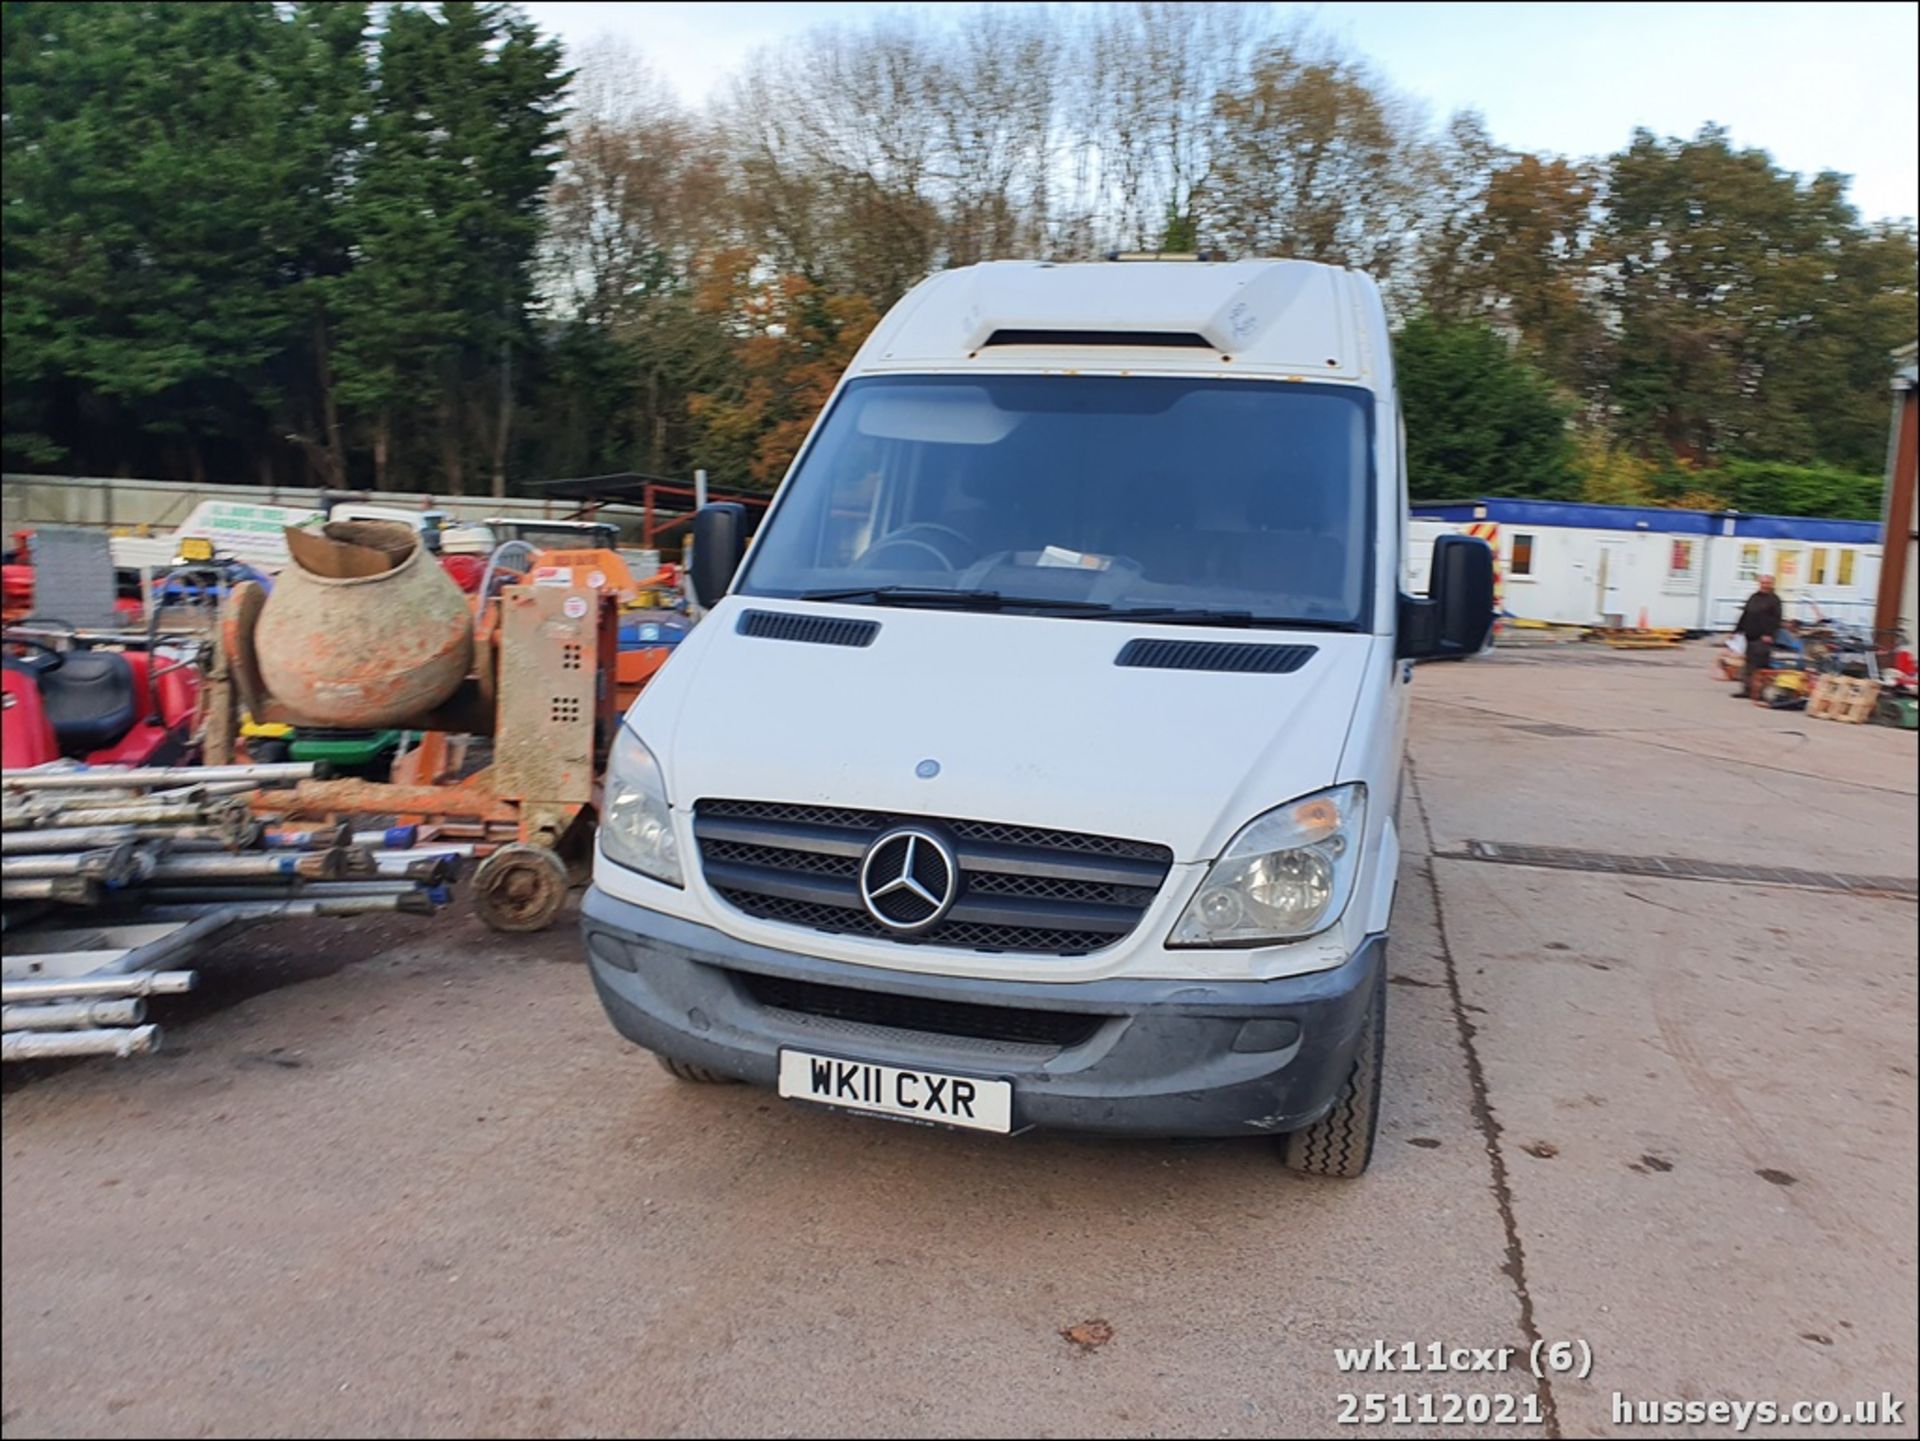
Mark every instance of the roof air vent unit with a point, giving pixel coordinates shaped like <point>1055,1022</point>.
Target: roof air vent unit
<point>1129,339</point>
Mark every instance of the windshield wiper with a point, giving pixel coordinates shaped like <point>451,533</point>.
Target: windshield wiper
<point>959,599</point>
<point>1193,615</point>
<point>1181,615</point>
<point>910,595</point>
<point>929,595</point>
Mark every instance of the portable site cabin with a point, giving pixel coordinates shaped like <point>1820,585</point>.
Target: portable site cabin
<point>1570,563</point>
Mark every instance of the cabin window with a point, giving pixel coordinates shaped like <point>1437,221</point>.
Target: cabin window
<point>1749,562</point>
<point>1845,576</point>
<point>1817,566</point>
<point>1522,562</point>
<point>1680,560</point>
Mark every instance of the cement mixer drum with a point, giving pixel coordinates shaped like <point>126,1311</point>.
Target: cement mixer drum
<point>363,628</point>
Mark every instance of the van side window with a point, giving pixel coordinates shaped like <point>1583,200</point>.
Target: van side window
<point>1522,562</point>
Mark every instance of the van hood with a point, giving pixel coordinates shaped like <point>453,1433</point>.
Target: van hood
<point>1028,720</point>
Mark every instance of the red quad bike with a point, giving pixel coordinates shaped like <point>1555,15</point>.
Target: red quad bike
<point>104,707</point>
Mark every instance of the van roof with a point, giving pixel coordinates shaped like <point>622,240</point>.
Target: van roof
<point>1290,318</point>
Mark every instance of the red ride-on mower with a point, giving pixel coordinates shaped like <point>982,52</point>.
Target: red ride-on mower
<point>105,707</point>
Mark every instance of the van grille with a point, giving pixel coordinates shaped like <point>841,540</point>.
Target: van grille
<point>917,1013</point>
<point>1023,888</point>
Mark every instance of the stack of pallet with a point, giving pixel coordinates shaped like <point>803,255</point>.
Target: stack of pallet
<point>1654,639</point>
<point>1844,698</point>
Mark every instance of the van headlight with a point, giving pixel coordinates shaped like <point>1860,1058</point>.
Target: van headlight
<point>1287,875</point>
<point>636,827</point>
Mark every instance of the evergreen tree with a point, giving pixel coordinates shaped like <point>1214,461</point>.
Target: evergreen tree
<point>149,225</point>
<point>1480,419</point>
<point>443,218</point>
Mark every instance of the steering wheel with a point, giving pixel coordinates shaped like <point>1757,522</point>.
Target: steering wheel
<point>911,536</point>
<point>48,660</point>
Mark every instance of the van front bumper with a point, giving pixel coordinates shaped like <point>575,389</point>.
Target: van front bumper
<point>1145,1057</point>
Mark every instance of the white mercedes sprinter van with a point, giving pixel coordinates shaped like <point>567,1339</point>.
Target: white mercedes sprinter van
<point>1039,763</point>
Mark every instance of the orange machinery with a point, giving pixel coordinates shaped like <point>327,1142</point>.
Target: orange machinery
<point>585,553</point>
<point>511,760</point>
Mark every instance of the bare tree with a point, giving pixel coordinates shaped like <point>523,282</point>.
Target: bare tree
<point>636,197</point>
<point>835,148</point>
<point>993,92</point>
<point>1151,72</point>
<point>1451,241</point>
<point>1317,161</point>
<point>863,158</point>
<point>639,203</point>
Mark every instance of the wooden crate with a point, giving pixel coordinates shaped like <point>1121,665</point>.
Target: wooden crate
<point>1848,699</point>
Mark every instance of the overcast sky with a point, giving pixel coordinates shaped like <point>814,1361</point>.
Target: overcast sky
<point>1821,86</point>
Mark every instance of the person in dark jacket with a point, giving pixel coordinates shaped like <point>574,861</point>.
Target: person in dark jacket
<point>1759,622</point>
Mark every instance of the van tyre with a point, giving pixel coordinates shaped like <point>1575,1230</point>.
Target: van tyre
<point>697,1075</point>
<point>1340,1143</point>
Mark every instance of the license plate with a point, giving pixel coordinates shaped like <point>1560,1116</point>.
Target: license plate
<point>914,1095</point>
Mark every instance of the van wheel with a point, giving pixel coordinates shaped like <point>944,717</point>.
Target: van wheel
<point>1340,1143</point>
<point>698,1075</point>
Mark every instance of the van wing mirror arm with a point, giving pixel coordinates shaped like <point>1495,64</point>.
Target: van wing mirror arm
<point>1414,639</point>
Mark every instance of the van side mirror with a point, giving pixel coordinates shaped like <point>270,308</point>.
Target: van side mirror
<point>1457,616</point>
<point>719,540</point>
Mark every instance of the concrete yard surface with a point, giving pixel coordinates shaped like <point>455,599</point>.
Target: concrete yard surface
<point>402,1177</point>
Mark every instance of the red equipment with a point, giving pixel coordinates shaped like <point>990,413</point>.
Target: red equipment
<point>1902,677</point>
<point>16,590</point>
<point>105,707</point>
<point>466,570</point>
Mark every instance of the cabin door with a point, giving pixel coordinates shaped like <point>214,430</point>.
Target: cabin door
<point>1610,581</point>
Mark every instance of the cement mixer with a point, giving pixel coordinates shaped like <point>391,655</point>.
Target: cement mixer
<point>363,628</point>
<point>364,631</point>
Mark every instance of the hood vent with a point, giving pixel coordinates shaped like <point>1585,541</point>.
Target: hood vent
<point>811,629</point>
<point>1132,339</point>
<point>1234,656</point>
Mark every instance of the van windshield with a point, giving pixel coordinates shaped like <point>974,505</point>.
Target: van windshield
<point>1231,502</point>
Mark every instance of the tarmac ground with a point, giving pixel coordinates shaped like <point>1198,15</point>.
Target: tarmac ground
<point>403,1178</point>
